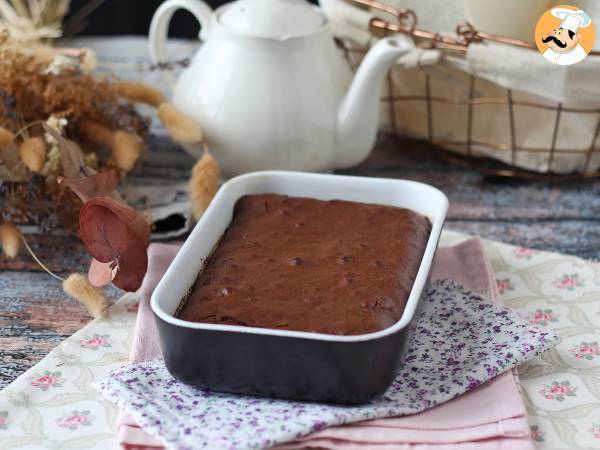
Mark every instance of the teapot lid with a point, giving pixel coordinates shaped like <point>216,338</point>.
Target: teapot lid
<point>272,19</point>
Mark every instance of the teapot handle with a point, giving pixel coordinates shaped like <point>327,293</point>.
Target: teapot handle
<point>159,27</point>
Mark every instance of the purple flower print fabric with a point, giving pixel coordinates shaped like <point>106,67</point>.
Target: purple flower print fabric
<point>461,341</point>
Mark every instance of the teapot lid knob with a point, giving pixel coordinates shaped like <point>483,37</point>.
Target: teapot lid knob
<point>272,19</point>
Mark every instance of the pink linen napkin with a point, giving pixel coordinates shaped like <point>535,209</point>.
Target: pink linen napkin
<point>489,417</point>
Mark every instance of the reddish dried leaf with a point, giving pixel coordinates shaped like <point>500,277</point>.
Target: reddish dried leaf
<point>133,264</point>
<point>100,274</point>
<point>111,232</point>
<point>102,184</point>
<point>129,216</point>
<point>102,232</point>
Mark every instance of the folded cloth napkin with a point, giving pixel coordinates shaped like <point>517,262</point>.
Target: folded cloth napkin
<point>492,416</point>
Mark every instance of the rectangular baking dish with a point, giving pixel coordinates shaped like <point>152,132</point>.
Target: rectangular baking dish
<point>280,363</point>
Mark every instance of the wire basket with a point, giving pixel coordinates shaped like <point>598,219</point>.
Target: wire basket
<point>503,155</point>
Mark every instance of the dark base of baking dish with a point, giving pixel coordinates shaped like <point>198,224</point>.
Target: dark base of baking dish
<point>284,367</point>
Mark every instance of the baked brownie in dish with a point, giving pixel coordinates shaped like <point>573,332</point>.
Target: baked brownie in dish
<point>302,264</point>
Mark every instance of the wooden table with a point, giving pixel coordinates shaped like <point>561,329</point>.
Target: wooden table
<point>35,314</point>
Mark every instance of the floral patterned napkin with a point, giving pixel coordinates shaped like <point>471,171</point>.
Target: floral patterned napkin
<point>460,342</point>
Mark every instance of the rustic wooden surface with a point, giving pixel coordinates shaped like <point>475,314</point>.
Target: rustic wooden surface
<point>35,314</point>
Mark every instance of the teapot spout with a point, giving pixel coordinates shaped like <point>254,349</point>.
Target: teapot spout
<point>357,120</point>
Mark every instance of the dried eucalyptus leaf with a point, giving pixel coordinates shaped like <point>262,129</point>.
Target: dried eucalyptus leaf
<point>103,184</point>
<point>113,232</point>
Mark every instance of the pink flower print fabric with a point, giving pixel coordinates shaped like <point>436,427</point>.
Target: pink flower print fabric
<point>96,342</point>
<point>75,420</point>
<point>586,350</point>
<point>558,390</point>
<point>46,380</point>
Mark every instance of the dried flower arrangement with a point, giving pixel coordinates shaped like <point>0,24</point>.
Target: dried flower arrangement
<point>42,20</point>
<point>67,138</point>
<point>33,20</point>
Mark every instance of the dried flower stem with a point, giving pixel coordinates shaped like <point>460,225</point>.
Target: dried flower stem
<point>37,260</point>
<point>23,132</point>
<point>11,239</point>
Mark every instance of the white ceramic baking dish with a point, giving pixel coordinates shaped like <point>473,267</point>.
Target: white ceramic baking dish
<point>281,363</point>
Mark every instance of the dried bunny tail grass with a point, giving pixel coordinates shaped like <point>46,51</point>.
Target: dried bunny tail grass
<point>6,137</point>
<point>126,149</point>
<point>33,153</point>
<point>10,239</point>
<point>78,287</point>
<point>138,92</point>
<point>180,127</point>
<point>96,133</point>
<point>203,184</point>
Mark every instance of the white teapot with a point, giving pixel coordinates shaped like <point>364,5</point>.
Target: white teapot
<point>270,89</point>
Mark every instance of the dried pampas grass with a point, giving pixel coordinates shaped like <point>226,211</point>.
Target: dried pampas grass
<point>126,147</point>
<point>10,239</point>
<point>33,153</point>
<point>6,137</point>
<point>181,128</point>
<point>78,287</point>
<point>138,93</point>
<point>203,184</point>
